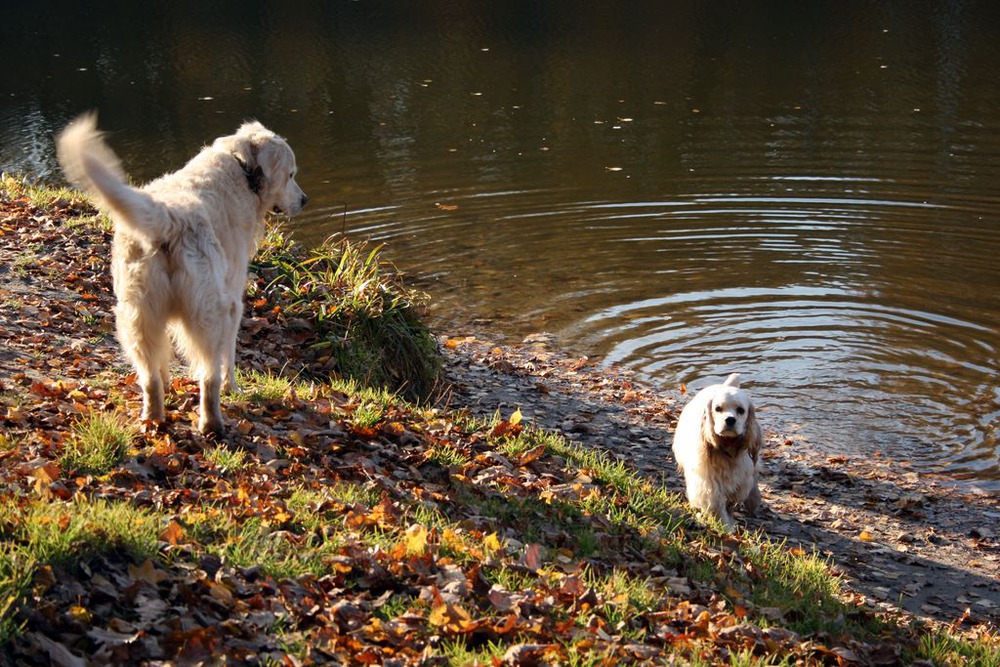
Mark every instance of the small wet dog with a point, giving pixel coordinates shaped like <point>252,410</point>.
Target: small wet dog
<point>181,250</point>
<point>716,446</point>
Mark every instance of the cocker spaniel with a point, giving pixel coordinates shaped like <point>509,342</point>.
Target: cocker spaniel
<point>716,445</point>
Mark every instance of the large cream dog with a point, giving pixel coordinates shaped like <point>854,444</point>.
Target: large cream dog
<point>181,249</point>
<point>716,445</point>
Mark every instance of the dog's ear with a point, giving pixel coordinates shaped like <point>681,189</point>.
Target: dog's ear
<point>248,143</point>
<point>752,434</point>
<point>708,424</point>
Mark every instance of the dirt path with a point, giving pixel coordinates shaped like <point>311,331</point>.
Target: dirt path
<point>901,539</point>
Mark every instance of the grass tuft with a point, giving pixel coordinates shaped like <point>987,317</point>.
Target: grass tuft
<point>43,534</point>
<point>362,313</point>
<point>99,442</point>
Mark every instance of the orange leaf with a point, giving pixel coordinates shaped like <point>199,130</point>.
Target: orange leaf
<point>505,626</point>
<point>172,534</point>
<point>447,207</point>
<point>532,455</point>
<point>147,572</point>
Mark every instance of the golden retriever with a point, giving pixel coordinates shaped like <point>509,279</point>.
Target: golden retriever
<point>181,250</point>
<point>716,445</point>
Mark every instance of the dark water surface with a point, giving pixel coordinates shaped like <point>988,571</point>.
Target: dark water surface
<point>808,193</point>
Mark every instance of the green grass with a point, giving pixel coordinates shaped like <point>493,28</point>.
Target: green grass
<point>227,459</point>
<point>941,648</point>
<point>261,387</point>
<point>37,534</point>
<point>364,316</point>
<point>98,443</point>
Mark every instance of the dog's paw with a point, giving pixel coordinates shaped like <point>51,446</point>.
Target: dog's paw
<point>231,389</point>
<point>211,425</point>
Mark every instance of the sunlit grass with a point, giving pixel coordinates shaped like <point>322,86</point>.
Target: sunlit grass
<point>942,648</point>
<point>227,459</point>
<point>261,387</point>
<point>446,455</point>
<point>98,443</point>
<point>57,534</point>
<point>367,415</point>
<point>364,314</point>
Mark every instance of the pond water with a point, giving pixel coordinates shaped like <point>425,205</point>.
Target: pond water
<point>807,193</point>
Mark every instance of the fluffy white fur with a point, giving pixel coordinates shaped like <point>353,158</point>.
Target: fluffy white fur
<point>716,445</point>
<point>181,249</point>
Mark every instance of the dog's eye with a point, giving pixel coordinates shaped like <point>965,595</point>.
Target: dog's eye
<point>740,410</point>
<point>718,408</point>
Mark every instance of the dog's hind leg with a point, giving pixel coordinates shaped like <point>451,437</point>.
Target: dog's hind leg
<point>150,365</point>
<point>215,368</point>
<point>149,352</point>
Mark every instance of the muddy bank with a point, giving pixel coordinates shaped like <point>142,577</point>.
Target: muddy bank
<point>901,539</point>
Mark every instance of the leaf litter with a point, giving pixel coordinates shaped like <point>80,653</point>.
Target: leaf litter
<point>425,529</point>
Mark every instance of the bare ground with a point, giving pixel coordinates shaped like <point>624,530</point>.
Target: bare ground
<point>901,539</point>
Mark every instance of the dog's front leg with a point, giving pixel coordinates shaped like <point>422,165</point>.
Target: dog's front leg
<point>720,511</point>
<point>210,420</point>
<point>752,502</point>
<point>152,397</point>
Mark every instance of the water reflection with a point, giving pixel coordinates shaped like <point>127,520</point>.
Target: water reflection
<point>807,193</point>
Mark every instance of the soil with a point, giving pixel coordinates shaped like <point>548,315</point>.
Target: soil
<point>900,539</point>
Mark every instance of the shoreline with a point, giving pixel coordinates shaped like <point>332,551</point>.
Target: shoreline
<point>901,539</point>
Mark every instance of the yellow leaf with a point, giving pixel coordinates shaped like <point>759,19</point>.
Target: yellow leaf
<point>439,615</point>
<point>452,616</point>
<point>416,540</point>
<point>515,417</point>
<point>80,614</point>
<point>865,536</point>
<point>491,543</point>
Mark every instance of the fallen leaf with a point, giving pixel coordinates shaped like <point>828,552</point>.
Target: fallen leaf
<point>147,572</point>
<point>172,534</point>
<point>416,540</point>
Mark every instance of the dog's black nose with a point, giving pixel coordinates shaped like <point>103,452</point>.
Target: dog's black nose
<point>305,200</point>
<point>730,421</point>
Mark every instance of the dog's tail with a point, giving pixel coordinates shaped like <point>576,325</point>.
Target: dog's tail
<point>732,381</point>
<point>90,164</point>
